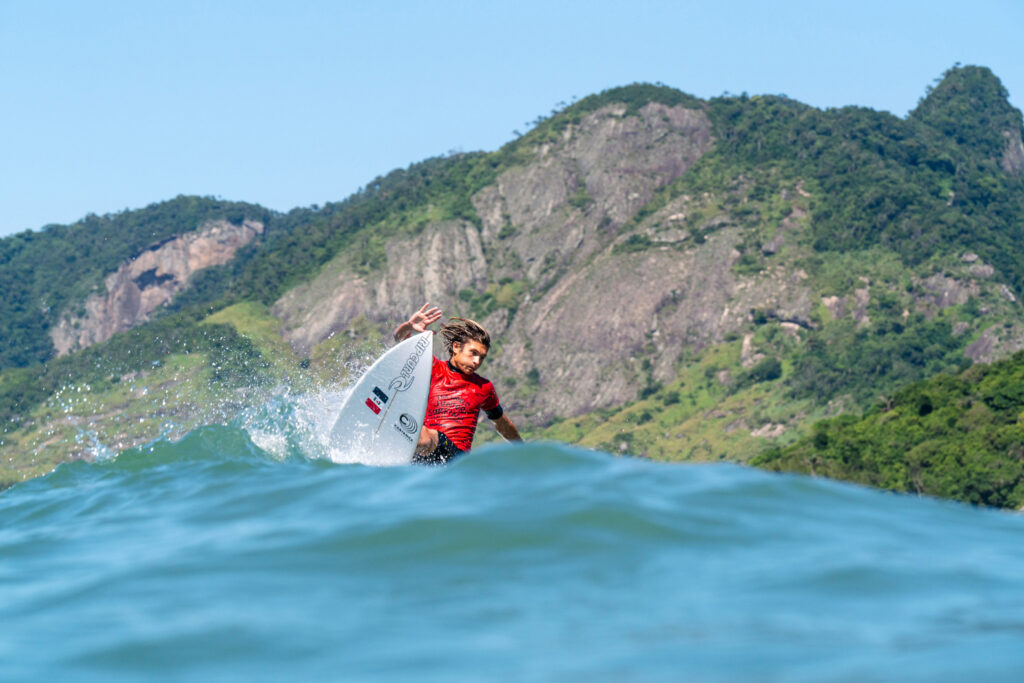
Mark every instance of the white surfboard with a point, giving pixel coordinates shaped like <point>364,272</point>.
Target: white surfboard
<point>380,421</point>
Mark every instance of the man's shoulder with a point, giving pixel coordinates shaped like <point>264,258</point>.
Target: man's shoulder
<point>484,385</point>
<point>479,381</point>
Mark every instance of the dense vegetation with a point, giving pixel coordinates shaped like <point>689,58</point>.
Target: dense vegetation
<point>919,185</point>
<point>846,359</point>
<point>231,358</point>
<point>956,436</point>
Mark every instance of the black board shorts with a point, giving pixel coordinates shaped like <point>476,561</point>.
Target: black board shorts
<point>444,452</point>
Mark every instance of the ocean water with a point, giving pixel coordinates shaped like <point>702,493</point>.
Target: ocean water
<point>242,552</point>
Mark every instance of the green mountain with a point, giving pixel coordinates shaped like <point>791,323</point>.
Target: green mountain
<point>665,276</point>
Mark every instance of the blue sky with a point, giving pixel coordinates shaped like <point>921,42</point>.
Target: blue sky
<point>113,105</point>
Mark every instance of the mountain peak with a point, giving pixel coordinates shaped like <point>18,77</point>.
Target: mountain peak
<point>970,106</point>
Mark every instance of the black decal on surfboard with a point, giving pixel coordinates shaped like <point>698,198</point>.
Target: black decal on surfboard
<point>408,423</point>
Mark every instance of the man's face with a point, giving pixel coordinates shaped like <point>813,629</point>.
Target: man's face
<point>468,357</point>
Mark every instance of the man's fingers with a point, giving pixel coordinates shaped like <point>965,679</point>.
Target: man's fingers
<point>427,315</point>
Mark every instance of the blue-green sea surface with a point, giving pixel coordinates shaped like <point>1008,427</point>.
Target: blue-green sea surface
<point>211,559</point>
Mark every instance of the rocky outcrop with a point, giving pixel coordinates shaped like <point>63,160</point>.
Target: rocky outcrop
<point>565,203</point>
<point>996,342</point>
<point>148,281</point>
<point>939,292</point>
<point>437,264</point>
<point>1013,153</point>
<point>583,337</point>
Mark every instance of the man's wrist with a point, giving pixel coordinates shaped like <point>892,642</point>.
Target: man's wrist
<point>402,331</point>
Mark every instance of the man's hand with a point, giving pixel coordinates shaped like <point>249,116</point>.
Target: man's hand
<point>418,322</point>
<point>424,318</point>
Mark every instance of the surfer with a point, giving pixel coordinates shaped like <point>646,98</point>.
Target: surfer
<point>457,393</point>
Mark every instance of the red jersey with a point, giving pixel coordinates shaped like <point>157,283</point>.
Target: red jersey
<point>456,401</point>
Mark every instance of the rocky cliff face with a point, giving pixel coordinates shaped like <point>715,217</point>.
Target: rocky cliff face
<point>444,259</point>
<point>552,226</point>
<point>564,205</point>
<point>148,281</point>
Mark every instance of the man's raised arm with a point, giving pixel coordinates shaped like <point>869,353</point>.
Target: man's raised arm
<point>419,322</point>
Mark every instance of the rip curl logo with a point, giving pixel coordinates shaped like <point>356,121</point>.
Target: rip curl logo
<point>407,375</point>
